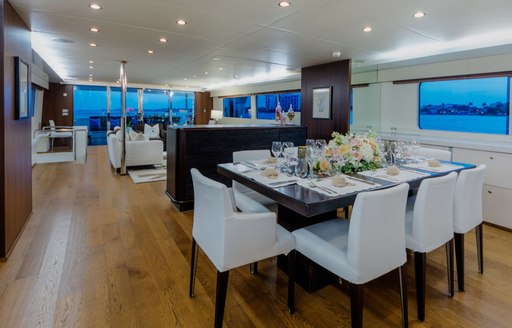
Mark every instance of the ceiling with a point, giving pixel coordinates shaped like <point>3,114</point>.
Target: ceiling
<point>231,41</point>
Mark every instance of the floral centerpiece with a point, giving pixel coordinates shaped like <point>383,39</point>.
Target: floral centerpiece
<point>350,153</point>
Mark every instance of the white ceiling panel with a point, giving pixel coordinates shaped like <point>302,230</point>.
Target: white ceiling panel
<point>256,37</point>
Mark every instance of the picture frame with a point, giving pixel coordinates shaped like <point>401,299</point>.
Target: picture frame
<point>322,103</point>
<point>22,89</point>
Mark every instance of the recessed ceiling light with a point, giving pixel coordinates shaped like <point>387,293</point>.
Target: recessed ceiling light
<point>163,40</point>
<point>91,67</point>
<point>205,73</point>
<point>336,54</point>
<point>93,44</point>
<point>221,68</point>
<point>367,29</point>
<point>284,3</point>
<point>94,29</point>
<point>150,52</point>
<point>235,77</point>
<point>95,6</point>
<point>90,75</point>
<point>215,58</point>
<point>185,79</point>
<point>91,61</point>
<point>194,76</point>
<point>181,22</point>
<point>419,14</point>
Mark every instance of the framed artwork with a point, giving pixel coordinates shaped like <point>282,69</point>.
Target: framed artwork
<point>322,103</point>
<point>21,89</point>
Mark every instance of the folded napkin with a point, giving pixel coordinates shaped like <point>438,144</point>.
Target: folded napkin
<point>433,163</point>
<point>392,170</point>
<point>270,173</point>
<point>341,181</point>
<point>270,160</point>
<point>394,174</point>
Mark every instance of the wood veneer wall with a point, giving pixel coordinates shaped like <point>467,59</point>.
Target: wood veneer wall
<point>15,138</point>
<point>337,76</point>
<point>56,98</point>
<point>203,107</point>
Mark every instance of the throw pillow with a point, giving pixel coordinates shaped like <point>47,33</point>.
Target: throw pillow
<point>138,137</point>
<point>119,135</point>
<point>152,131</point>
<point>94,124</point>
<point>132,133</point>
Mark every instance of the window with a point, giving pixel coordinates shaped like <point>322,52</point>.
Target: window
<point>478,105</point>
<point>132,105</point>
<point>182,107</point>
<point>90,109</point>
<point>157,106</point>
<point>237,107</point>
<point>266,104</point>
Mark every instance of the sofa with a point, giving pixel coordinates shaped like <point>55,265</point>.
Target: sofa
<point>160,134</point>
<point>144,152</point>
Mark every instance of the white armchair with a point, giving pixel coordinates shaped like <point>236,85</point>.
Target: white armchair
<point>147,152</point>
<point>230,239</point>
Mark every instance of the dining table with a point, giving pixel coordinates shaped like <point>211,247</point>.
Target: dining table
<point>305,201</point>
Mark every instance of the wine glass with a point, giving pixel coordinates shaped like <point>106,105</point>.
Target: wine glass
<point>287,151</point>
<point>276,150</point>
<point>415,146</point>
<point>311,156</point>
<point>310,142</point>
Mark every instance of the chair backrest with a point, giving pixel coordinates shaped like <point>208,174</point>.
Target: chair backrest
<point>439,154</point>
<point>432,224</point>
<point>248,155</point>
<point>213,205</point>
<point>467,206</point>
<point>376,238</point>
<point>114,150</point>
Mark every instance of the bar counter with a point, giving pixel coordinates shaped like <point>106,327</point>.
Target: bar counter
<point>204,146</point>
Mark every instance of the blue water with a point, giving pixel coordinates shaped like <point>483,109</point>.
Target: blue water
<point>465,123</point>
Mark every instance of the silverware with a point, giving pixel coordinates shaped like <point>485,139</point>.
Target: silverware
<point>312,184</point>
<point>251,165</point>
<point>361,180</point>
<point>277,183</point>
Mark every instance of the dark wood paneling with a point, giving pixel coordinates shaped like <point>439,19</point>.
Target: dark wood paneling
<point>53,103</point>
<point>15,155</point>
<point>203,147</point>
<point>337,76</point>
<point>203,107</point>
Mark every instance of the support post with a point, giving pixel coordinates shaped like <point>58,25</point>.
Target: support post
<point>123,117</point>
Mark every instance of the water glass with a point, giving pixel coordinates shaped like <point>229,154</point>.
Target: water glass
<point>311,157</point>
<point>310,142</point>
<point>287,150</point>
<point>301,169</point>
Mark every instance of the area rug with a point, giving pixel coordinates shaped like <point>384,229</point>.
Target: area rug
<point>148,173</point>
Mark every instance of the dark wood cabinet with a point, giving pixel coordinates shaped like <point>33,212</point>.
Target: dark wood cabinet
<point>204,146</point>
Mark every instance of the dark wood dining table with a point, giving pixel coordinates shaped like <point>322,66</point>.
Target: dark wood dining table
<point>299,207</point>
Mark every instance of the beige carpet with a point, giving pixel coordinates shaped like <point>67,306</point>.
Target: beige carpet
<point>148,174</point>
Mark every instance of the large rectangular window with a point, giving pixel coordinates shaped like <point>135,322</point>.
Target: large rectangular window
<point>479,105</point>
<point>132,105</point>
<point>157,106</point>
<point>266,104</point>
<point>183,107</point>
<point>237,107</point>
<point>90,109</point>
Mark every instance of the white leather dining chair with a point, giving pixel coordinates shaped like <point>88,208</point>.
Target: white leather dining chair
<point>231,239</point>
<point>369,245</point>
<point>240,190</point>
<point>467,215</point>
<point>429,225</point>
<point>439,154</point>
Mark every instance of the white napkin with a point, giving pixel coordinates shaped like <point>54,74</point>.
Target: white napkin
<point>444,167</point>
<point>327,183</point>
<point>402,176</point>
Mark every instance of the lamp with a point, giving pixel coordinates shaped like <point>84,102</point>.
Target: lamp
<point>216,115</point>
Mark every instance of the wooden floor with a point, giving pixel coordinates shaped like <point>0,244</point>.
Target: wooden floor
<point>101,251</point>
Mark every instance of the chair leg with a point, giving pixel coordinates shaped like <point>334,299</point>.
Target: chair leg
<point>193,267</point>
<point>254,268</point>
<point>480,246</point>
<point>449,266</point>
<point>402,274</point>
<point>420,267</point>
<point>291,281</point>
<point>356,305</point>
<point>220,297</point>
<point>459,258</point>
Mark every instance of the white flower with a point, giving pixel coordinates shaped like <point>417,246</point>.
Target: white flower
<point>366,152</point>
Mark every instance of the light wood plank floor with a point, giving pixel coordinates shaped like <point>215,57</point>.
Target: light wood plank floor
<point>100,251</point>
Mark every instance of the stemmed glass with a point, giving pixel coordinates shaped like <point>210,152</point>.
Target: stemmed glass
<point>311,156</point>
<point>276,151</point>
<point>287,150</point>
